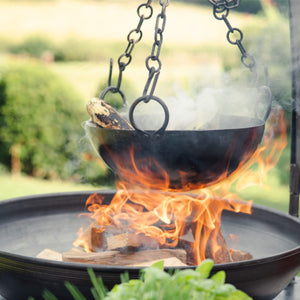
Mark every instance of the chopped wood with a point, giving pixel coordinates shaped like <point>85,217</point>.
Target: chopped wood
<point>100,238</point>
<point>238,255</point>
<point>50,254</point>
<point>130,239</point>
<point>116,258</point>
<point>105,116</point>
<point>92,238</point>
<point>117,241</point>
<point>222,253</point>
<point>168,262</point>
<point>89,257</point>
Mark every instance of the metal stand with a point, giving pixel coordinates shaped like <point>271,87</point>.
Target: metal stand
<point>295,134</point>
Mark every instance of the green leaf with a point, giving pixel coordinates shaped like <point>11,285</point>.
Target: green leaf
<point>74,291</point>
<point>47,295</point>
<point>98,285</point>
<point>124,277</point>
<point>159,265</point>
<point>219,278</point>
<point>205,268</point>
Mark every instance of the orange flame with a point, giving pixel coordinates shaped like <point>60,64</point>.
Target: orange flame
<point>190,221</point>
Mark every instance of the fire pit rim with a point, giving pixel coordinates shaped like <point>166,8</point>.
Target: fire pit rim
<point>75,265</point>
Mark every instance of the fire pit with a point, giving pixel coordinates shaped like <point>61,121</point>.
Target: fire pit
<point>30,224</point>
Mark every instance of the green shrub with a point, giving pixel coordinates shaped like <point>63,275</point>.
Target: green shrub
<point>269,42</point>
<point>40,124</point>
<point>34,45</point>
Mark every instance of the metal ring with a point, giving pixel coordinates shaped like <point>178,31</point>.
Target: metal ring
<point>236,40</point>
<point>138,32</point>
<point>142,15</point>
<point>114,90</point>
<point>251,64</point>
<point>220,11</point>
<point>144,98</point>
<point>153,58</point>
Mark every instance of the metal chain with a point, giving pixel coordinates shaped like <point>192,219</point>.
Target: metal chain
<point>144,12</point>
<point>153,63</point>
<point>235,37</point>
<point>225,3</point>
<point>221,12</point>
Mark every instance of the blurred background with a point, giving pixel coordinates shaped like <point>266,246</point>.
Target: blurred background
<point>54,57</point>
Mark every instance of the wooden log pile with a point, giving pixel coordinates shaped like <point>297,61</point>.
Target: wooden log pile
<point>118,247</point>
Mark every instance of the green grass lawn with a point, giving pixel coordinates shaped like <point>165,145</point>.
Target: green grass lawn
<point>16,186</point>
<point>274,195</point>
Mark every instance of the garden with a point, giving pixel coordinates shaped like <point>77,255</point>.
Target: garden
<point>55,58</point>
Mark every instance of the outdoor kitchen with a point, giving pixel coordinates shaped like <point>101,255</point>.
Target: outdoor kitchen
<point>179,165</point>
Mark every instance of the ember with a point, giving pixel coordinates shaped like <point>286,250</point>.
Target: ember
<point>145,216</point>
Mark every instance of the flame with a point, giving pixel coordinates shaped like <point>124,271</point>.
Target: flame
<point>191,221</point>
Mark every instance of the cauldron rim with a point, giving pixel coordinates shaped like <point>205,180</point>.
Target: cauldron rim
<point>256,123</point>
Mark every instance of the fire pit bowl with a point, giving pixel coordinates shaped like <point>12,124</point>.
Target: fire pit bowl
<point>31,224</point>
<point>189,158</point>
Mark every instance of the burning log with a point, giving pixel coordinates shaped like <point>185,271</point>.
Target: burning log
<point>105,116</point>
<point>50,254</point>
<point>111,239</point>
<point>238,255</point>
<point>222,253</point>
<point>174,257</point>
<point>108,238</point>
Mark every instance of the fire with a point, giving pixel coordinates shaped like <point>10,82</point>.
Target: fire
<point>177,219</point>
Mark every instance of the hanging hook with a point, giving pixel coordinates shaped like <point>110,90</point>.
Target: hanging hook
<point>111,65</point>
<point>110,87</point>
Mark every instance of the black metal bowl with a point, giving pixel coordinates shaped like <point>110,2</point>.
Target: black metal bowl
<point>30,224</point>
<point>188,159</point>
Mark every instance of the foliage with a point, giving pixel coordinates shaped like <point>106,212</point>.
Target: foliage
<point>71,48</point>
<point>34,45</point>
<point>40,123</point>
<point>155,283</point>
<point>269,43</point>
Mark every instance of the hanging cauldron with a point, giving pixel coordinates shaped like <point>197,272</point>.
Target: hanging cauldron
<point>187,159</point>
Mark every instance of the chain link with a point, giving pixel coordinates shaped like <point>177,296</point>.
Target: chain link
<point>225,3</point>
<point>144,12</point>
<point>234,35</point>
<point>153,62</point>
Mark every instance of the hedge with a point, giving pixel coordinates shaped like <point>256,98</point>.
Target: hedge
<point>40,125</point>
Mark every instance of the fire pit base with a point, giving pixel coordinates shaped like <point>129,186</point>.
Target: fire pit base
<point>31,224</point>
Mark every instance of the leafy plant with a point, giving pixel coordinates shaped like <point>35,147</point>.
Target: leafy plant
<point>40,124</point>
<point>155,283</point>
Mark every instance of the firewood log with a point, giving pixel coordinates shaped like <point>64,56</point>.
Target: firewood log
<point>222,255</point>
<point>105,116</point>
<point>101,238</point>
<point>116,258</point>
<point>168,262</point>
<point>238,255</point>
<point>50,254</point>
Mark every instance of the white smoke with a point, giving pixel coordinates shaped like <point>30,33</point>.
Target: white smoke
<point>205,109</point>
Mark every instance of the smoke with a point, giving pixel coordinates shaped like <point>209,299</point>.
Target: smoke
<point>208,108</point>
